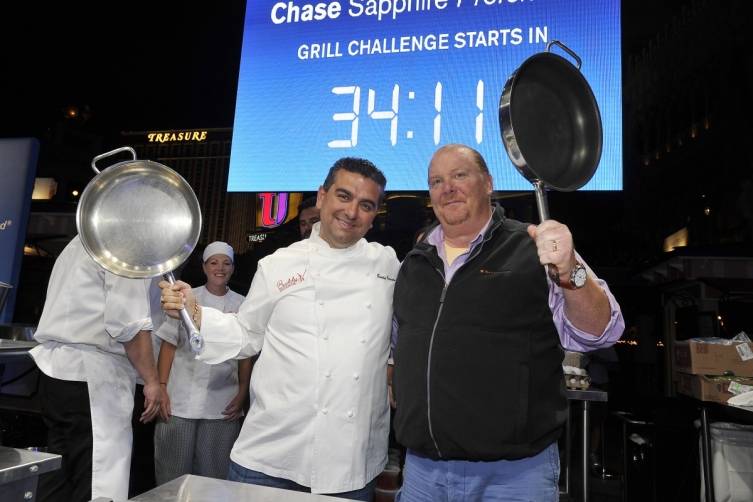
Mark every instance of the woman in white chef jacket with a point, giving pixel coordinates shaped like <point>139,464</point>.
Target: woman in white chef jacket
<point>205,401</point>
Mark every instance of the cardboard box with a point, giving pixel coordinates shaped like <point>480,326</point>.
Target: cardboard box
<point>699,358</point>
<point>707,388</point>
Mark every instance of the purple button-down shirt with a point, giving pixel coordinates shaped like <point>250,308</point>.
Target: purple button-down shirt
<point>571,338</point>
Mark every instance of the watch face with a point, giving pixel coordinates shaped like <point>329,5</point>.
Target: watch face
<point>579,276</point>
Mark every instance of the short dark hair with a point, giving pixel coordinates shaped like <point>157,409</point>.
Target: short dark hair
<point>364,167</point>
<point>307,203</point>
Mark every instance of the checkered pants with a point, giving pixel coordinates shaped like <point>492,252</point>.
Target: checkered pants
<point>193,446</point>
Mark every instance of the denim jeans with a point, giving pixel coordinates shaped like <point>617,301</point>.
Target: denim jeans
<point>529,479</point>
<point>242,475</point>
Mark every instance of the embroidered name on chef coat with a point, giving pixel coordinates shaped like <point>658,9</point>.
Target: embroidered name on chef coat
<point>296,278</point>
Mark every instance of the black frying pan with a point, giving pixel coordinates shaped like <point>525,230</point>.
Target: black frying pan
<point>550,123</point>
<point>551,126</point>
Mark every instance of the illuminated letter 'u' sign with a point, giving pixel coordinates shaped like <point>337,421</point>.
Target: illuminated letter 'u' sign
<point>272,214</point>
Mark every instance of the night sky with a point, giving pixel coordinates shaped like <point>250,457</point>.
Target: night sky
<point>144,65</point>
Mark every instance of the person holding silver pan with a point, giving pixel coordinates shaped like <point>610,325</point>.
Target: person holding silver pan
<point>480,330</point>
<point>320,313</point>
<point>94,340</point>
<point>201,418</point>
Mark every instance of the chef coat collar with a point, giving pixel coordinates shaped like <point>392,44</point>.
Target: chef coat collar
<point>321,246</point>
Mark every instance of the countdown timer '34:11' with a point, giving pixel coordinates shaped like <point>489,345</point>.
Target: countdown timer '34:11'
<point>354,116</point>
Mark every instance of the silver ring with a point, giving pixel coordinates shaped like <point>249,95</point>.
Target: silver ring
<point>554,246</point>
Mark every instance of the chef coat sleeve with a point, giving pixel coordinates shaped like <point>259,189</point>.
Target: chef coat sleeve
<point>126,307</point>
<point>169,331</point>
<point>241,335</point>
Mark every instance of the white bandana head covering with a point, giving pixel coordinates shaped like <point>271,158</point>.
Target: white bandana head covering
<point>218,247</point>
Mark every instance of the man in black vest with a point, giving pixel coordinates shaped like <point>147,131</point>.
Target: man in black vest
<point>481,329</point>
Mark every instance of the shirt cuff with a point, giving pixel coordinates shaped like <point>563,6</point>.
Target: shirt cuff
<point>169,331</point>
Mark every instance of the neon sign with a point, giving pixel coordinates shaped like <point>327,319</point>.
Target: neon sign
<point>274,208</point>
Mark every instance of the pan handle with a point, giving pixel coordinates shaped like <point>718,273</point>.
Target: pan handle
<point>195,340</point>
<point>110,153</point>
<point>566,49</point>
<point>543,207</point>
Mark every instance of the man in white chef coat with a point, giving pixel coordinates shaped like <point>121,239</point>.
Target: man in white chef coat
<point>320,312</point>
<point>94,340</point>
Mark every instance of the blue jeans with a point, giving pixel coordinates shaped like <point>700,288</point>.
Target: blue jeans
<point>242,475</point>
<point>529,479</point>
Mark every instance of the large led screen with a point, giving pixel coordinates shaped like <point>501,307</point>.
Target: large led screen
<point>392,80</point>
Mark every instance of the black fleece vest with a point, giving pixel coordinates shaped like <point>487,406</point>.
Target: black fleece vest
<point>478,364</point>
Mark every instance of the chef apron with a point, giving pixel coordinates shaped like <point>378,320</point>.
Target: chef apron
<point>111,385</point>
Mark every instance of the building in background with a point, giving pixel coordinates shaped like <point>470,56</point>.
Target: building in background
<point>202,157</point>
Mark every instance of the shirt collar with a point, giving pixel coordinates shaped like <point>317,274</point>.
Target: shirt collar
<point>436,237</point>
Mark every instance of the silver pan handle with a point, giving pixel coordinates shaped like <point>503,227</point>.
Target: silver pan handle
<point>566,49</point>
<point>111,153</point>
<point>541,204</point>
<point>195,340</point>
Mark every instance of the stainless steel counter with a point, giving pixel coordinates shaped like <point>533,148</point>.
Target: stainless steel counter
<point>190,488</point>
<point>9,348</point>
<point>19,470</point>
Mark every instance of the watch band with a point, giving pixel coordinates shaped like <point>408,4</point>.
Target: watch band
<point>569,280</point>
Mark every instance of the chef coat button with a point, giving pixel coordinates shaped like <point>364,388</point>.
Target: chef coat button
<point>326,337</point>
<point>328,374</point>
<point>321,304</point>
<point>363,340</point>
<point>350,413</point>
<point>355,376</point>
<point>368,305</point>
<point>324,411</point>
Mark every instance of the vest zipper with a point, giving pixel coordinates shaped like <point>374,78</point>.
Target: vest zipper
<point>473,254</point>
<point>428,365</point>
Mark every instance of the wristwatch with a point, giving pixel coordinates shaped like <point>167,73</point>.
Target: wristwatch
<point>577,277</point>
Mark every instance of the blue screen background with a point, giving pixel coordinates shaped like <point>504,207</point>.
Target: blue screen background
<point>285,105</point>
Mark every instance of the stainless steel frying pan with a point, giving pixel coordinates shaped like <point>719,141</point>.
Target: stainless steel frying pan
<point>140,219</point>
